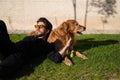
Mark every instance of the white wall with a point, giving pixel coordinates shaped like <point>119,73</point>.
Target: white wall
<point>21,15</point>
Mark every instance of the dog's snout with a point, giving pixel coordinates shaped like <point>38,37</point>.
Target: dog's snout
<point>84,28</point>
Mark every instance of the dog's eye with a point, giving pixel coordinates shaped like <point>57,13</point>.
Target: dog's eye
<point>76,24</point>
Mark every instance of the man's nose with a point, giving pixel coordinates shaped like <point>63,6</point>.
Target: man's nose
<point>37,28</point>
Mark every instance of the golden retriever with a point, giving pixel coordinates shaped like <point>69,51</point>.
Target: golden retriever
<point>60,35</point>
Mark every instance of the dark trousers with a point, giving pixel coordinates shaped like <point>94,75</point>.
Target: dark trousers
<point>11,60</point>
<point>6,45</point>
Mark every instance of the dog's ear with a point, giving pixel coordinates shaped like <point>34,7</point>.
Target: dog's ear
<point>65,27</point>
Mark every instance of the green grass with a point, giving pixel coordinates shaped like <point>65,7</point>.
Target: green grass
<point>103,51</point>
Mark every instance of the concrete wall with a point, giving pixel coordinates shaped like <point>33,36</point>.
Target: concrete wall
<point>21,15</point>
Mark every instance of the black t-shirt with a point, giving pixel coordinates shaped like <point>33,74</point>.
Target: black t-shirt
<point>31,47</point>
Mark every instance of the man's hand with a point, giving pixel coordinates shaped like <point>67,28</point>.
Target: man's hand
<point>68,44</point>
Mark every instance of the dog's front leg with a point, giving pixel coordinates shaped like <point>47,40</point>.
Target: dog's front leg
<point>78,54</point>
<point>67,61</point>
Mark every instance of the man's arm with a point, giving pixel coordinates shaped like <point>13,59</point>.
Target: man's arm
<point>62,52</point>
<point>57,57</point>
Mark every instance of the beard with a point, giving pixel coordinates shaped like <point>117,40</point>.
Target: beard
<point>40,34</point>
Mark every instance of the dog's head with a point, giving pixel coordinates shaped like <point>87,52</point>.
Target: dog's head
<point>72,26</point>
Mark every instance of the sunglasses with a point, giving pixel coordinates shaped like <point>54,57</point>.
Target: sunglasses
<point>39,26</point>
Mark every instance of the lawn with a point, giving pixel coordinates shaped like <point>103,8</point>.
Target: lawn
<point>102,50</point>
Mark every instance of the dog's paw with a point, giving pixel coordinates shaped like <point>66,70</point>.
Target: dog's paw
<point>78,54</point>
<point>68,62</point>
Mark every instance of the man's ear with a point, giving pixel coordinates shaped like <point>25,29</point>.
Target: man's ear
<point>47,31</point>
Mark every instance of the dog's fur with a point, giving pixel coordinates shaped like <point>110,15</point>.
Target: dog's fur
<point>60,35</point>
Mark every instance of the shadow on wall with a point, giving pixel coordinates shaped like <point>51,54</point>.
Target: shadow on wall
<point>105,7</point>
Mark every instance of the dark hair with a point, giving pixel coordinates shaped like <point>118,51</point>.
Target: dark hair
<point>47,23</point>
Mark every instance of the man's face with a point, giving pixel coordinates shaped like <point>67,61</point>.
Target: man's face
<point>40,29</point>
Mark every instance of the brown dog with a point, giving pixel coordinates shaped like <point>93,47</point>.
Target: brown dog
<point>60,35</point>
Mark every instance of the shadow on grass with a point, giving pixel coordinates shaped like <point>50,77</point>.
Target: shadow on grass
<point>89,43</point>
<point>81,45</point>
<point>26,69</point>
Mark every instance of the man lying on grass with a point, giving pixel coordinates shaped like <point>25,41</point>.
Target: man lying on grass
<point>14,55</point>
